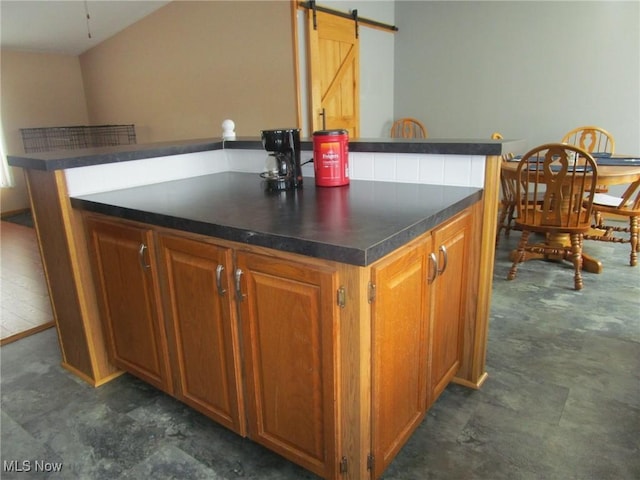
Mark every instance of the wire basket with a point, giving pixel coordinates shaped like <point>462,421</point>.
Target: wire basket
<point>47,139</point>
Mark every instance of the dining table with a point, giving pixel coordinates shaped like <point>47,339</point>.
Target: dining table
<point>612,170</point>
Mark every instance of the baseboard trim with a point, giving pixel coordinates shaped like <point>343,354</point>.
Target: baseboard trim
<point>10,213</point>
<point>26,333</point>
<point>468,384</point>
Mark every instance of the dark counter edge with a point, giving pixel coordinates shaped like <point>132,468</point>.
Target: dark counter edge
<point>309,248</point>
<point>61,160</point>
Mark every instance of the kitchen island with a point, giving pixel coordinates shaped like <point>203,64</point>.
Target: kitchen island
<point>338,315</point>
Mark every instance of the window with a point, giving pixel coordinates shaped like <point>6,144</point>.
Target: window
<point>6,179</point>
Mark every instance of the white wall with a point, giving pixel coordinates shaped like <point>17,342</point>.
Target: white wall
<point>531,70</point>
<point>376,65</point>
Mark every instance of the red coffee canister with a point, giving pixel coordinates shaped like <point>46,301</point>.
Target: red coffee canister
<point>331,158</point>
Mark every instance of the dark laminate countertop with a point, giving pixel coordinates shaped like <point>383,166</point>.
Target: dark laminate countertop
<point>356,224</point>
<point>84,157</point>
<point>61,160</point>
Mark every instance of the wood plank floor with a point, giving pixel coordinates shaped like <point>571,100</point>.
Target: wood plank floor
<point>24,299</point>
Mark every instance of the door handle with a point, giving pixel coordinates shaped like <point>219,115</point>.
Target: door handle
<point>238,276</point>
<point>141,255</point>
<point>445,259</point>
<point>433,271</point>
<point>324,119</point>
<point>219,270</point>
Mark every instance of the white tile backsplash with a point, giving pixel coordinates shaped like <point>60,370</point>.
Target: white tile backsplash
<point>361,166</point>
<point>457,170</point>
<point>477,171</point>
<point>384,167</point>
<point>408,168</point>
<point>431,169</point>
<point>118,175</point>
<point>246,160</point>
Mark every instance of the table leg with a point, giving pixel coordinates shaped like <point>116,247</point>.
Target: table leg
<point>591,264</point>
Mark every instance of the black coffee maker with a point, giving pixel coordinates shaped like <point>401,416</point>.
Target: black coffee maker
<point>285,173</point>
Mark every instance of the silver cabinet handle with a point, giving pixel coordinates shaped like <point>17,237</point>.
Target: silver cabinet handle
<point>219,270</point>
<point>238,276</point>
<point>445,259</point>
<point>141,255</point>
<point>433,270</point>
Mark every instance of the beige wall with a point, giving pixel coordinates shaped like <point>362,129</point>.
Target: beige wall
<point>176,74</point>
<point>179,72</point>
<point>38,90</point>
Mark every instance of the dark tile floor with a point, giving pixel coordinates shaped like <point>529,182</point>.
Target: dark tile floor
<point>562,400</point>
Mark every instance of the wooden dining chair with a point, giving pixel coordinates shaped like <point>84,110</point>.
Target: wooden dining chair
<point>564,215</point>
<point>506,208</point>
<point>408,128</point>
<point>594,140</point>
<point>591,139</point>
<point>628,205</point>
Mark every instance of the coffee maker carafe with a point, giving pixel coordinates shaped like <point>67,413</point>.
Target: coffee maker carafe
<point>284,146</point>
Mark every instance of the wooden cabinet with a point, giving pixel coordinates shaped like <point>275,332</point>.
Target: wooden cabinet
<point>399,349</point>
<point>125,273</point>
<point>417,319</point>
<point>289,334</point>
<point>202,327</point>
<point>449,287</point>
<point>260,340</point>
<point>289,319</point>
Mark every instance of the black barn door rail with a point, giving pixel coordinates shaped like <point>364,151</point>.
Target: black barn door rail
<point>353,15</point>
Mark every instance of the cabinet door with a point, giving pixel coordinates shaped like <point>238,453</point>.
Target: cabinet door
<point>399,351</point>
<point>289,315</point>
<point>202,327</point>
<point>122,257</point>
<point>451,245</point>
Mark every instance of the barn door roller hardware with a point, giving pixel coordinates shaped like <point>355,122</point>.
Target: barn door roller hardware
<point>354,14</point>
<point>314,7</point>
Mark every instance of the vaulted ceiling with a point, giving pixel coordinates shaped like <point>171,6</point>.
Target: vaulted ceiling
<point>62,26</point>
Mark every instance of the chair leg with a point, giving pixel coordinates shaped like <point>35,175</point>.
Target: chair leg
<point>519,255</point>
<point>501,222</point>
<point>633,238</point>
<point>597,217</point>
<point>576,258</point>
<point>510,216</point>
